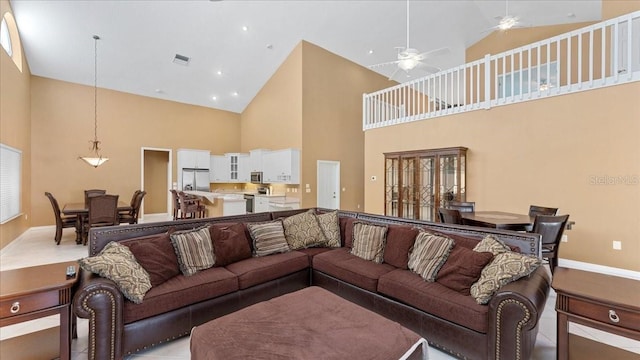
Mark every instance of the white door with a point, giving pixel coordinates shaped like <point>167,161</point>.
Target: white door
<point>328,184</point>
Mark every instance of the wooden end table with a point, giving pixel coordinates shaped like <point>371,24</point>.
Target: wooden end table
<point>38,291</point>
<point>604,302</point>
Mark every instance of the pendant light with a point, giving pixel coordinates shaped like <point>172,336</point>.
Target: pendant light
<point>95,159</point>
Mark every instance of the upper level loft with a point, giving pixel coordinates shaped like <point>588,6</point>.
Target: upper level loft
<point>603,54</point>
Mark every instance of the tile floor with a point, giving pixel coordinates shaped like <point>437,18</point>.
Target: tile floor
<point>37,247</point>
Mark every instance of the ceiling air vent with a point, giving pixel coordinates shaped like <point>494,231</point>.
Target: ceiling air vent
<point>181,60</point>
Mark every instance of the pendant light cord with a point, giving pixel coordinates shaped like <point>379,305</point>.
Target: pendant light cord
<point>95,89</point>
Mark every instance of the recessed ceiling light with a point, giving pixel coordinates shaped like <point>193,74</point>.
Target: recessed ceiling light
<point>245,28</point>
<point>214,98</point>
<point>219,72</point>
<point>370,51</point>
<point>269,46</point>
<point>235,93</point>
<point>159,91</point>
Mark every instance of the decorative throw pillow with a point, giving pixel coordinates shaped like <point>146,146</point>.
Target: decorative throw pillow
<point>369,241</point>
<point>429,254</point>
<point>268,238</point>
<point>230,243</point>
<point>462,268</point>
<point>330,225</point>
<point>116,262</point>
<point>303,231</point>
<point>505,268</point>
<point>156,255</point>
<point>400,240</point>
<point>491,244</point>
<point>193,249</point>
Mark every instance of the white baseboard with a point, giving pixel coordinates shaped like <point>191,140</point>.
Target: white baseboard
<point>608,270</point>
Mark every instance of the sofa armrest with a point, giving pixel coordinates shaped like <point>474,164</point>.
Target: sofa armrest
<point>514,313</point>
<point>99,300</point>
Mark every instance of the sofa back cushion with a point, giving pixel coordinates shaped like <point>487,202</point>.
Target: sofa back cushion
<point>230,243</point>
<point>400,240</point>
<point>463,268</point>
<point>156,255</point>
<point>346,231</point>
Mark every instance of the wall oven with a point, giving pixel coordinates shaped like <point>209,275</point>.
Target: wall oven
<point>256,177</point>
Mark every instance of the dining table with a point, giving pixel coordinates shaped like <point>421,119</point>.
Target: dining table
<point>498,220</point>
<point>81,211</point>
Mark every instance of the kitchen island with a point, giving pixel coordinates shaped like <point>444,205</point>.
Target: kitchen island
<point>220,204</point>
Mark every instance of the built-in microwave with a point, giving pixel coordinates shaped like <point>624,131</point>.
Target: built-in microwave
<point>256,177</point>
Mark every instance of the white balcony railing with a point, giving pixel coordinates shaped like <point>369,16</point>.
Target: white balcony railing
<point>604,54</point>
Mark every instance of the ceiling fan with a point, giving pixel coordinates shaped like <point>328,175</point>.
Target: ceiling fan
<point>410,58</point>
<point>507,21</point>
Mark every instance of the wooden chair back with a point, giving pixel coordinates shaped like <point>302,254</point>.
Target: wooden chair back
<point>462,206</point>
<point>450,216</point>
<point>90,193</point>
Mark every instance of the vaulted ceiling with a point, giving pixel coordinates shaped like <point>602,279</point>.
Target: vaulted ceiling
<point>140,38</point>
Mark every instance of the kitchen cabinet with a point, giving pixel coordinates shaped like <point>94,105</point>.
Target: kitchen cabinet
<point>255,159</point>
<point>238,167</point>
<point>219,171</point>
<point>281,166</point>
<point>193,159</point>
<point>261,204</point>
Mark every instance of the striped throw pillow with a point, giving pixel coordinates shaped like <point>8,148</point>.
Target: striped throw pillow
<point>369,241</point>
<point>429,253</point>
<point>268,238</point>
<point>194,250</point>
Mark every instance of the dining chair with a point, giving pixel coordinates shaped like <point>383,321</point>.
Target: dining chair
<point>190,207</point>
<point>62,221</point>
<point>450,216</point>
<point>92,192</point>
<point>541,210</point>
<point>131,216</point>
<point>176,203</point>
<point>551,228</point>
<point>103,211</point>
<point>462,206</point>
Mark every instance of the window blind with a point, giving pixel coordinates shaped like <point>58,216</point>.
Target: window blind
<point>10,175</point>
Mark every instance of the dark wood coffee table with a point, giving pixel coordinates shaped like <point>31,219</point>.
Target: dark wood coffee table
<point>38,291</point>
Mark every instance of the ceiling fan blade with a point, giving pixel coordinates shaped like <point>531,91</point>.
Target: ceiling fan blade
<point>394,73</point>
<point>433,53</point>
<point>375,66</point>
<point>428,68</point>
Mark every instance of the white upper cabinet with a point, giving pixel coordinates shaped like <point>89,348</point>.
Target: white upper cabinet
<point>281,166</point>
<point>193,159</point>
<point>238,167</point>
<point>255,159</point>
<point>219,171</point>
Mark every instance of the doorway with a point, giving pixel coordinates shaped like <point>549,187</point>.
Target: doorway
<point>156,181</point>
<point>328,184</point>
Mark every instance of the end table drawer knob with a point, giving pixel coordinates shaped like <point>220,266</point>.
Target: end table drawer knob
<point>613,316</point>
<point>15,307</point>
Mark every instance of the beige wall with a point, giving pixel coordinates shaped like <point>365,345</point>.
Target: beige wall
<point>553,152</point>
<point>15,128</point>
<point>332,91</point>
<point>62,125</point>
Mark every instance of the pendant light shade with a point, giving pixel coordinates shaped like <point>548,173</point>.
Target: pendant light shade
<point>95,159</point>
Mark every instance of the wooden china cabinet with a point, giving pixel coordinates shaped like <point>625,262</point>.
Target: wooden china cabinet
<point>418,182</point>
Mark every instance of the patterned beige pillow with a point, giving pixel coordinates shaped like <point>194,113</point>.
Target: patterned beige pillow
<point>429,253</point>
<point>369,241</point>
<point>116,262</point>
<point>303,231</point>
<point>330,225</point>
<point>491,244</point>
<point>268,238</point>
<point>503,269</point>
<point>194,250</point>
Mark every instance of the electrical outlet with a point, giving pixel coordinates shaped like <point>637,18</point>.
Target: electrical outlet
<point>308,190</point>
<point>617,245</point>
<point>358,206</point>
<point>564,238</point>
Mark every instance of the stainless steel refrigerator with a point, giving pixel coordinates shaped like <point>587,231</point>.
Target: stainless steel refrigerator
<point>195,179</point>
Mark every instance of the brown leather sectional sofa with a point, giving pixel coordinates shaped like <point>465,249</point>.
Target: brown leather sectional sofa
<point>505,328</point>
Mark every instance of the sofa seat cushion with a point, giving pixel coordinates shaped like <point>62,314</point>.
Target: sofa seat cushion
<point>341,264</point>
<point>258,270</point>
<point>311,252</point>
<point>435,299</point>
<point>180,291</point>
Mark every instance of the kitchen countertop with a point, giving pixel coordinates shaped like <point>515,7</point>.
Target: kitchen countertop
<point>286,200</point>
<point>212,196</point>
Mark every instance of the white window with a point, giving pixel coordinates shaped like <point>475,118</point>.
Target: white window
<point>10,177</point>
<point>5,38</point>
